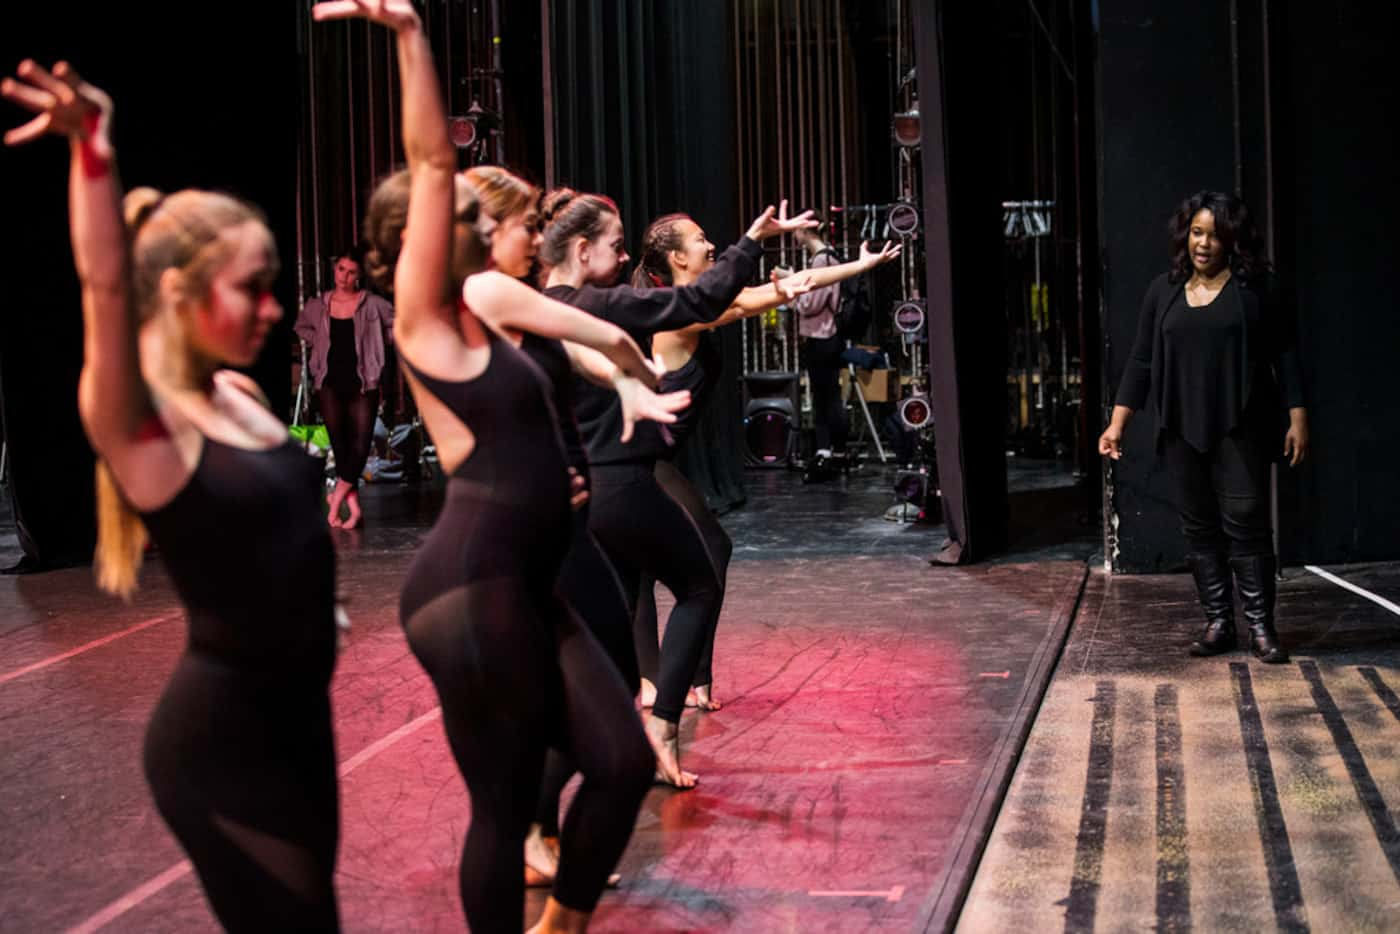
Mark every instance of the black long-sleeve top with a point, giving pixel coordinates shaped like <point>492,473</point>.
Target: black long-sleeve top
<point>551,357</point>
<point>1201,376</point>
<point>642,313</point>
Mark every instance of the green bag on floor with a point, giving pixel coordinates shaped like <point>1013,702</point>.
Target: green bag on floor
<point>311,434</point>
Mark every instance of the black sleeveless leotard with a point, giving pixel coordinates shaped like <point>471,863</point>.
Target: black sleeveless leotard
<point>239,752</point>
<point>515,670</point>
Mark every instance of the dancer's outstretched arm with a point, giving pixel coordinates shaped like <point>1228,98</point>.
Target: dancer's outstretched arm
<point>757,299</point>
<point>423,289</point>
<point>113,400</point>
<point>638,400</point>
<point>823,276</point>
<point>508,304</point>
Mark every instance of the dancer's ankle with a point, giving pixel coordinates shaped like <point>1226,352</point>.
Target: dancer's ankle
<point>557,919</point>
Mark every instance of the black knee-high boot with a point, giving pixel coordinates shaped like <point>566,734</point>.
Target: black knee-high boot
<point>1212,574</point>
<point>1258,591</point>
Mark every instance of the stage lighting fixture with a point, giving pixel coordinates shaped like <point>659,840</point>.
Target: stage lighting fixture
<point>909,318</point>
<point>471,128</point>
<point>462,131</point>
<point>917,499</point>
<point>907,131</point>
<point>903,219</point>
<point>916,412</point>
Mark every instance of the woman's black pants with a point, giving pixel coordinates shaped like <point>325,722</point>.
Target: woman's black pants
<point>1223,494</point>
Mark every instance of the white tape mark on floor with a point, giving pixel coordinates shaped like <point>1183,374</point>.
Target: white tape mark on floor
<point>889,895</point>
<point>1348,585</point>
<point>183,868</point>
<point>27,669</point>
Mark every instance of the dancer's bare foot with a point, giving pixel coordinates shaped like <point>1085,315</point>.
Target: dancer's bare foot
<point>664,737</point>
<point>352,502</point>
<point>541,858</point>
<point>704,698</point>
<point>648,693</point>
<point>560,920</point>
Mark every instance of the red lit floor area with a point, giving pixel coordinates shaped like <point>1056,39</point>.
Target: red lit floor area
<point>874,706</point>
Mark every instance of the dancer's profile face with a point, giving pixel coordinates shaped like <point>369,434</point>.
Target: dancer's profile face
<point>696,252</point>
<point>1207,252</point>
<point>472,233</point>
<point>232,323</point>
<point>604,256</point>
<point>515,242</point>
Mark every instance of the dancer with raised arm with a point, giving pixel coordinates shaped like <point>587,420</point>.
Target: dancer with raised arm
<point>675,252</point>
<point>515,670</point>
<point>587,579</point>
<point>643,530</point>
<point>239,752</point>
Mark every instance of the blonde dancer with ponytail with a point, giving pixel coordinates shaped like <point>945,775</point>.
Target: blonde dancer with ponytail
<point>239,752</point>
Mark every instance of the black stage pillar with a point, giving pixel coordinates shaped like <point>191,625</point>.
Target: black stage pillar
<point>955,44</point>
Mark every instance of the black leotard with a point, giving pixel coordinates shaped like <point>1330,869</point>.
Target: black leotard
<point>239,752</point>
<point>700,374</point>
<point>515,670</point>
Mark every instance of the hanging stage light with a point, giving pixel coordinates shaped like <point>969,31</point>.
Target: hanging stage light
<point>473,127</point>
<point>909,317</point>
<point>907,131</point>
<point>903,218</point>
<point>916,412</point>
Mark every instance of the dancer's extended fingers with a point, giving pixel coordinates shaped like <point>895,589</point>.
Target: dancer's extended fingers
<point>30,131</point>
<point>339,9</point>
<point>27,96</point>
<point>41,77</point>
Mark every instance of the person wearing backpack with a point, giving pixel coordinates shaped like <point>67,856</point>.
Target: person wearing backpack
<point>827,318</point>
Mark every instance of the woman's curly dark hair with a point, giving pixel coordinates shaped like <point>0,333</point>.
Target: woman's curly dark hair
<point>1240,239</point>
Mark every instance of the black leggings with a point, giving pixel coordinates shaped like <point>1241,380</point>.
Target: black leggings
<point>1223,494</point>
<point>720,546</point>
<point>823,360</point>
<point>588,583</point>
<point>242,767</point>
<point>644,530</point>
<point>518,673</point>
<point>349,418</point>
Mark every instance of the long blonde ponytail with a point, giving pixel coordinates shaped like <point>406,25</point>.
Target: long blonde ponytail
<point>182,232</point>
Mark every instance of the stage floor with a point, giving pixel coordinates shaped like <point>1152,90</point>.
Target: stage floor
<point>1163,792</point>
<point>874,707</point>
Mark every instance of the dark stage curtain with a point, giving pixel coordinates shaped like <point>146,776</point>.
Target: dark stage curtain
<point>214,114</point>
<point>643,107</point>
<point>967,340</point>
<point>1283,104</point>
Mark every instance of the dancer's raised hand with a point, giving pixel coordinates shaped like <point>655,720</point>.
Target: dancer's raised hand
<point>66,106</point>
<point>771,223</point>
<point>398,15</point>
<point>870,259</point>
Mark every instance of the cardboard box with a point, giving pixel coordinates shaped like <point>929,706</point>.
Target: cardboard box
<point>877,385</point>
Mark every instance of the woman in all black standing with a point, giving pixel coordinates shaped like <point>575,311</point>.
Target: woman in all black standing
<point>1216,358</point>
<point>347,329</point>
<point>239,753</point>
<point>675,252</point>
<point>642,528</point>
<point>516,671</point>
